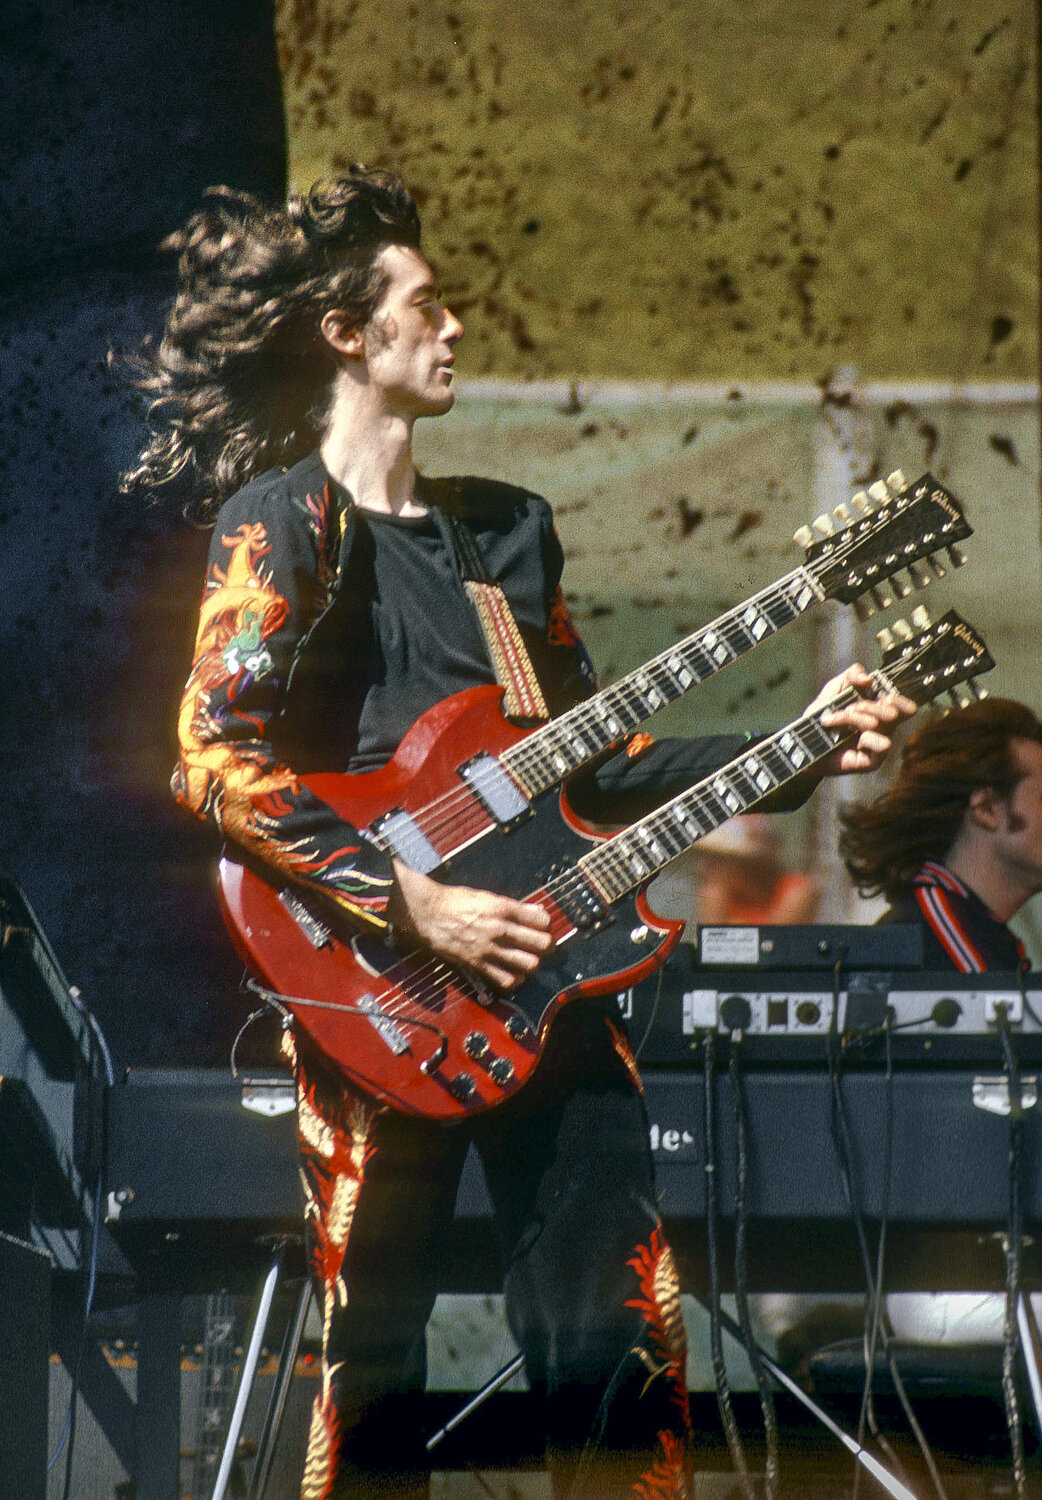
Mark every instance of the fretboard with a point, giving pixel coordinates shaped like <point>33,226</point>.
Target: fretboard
<point>546,756</point>
<point>630,859</point>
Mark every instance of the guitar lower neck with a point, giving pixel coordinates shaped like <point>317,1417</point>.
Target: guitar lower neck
<point>632,858</point>
<point>545,757</point>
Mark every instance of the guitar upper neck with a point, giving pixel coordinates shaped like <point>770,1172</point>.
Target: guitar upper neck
<point>547,755</point>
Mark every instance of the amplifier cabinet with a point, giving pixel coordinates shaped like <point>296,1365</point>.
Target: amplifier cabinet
<point>197,1181</point>
<point>949,1154</point>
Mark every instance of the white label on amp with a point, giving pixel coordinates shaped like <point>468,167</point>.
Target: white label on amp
<point>729,945</point>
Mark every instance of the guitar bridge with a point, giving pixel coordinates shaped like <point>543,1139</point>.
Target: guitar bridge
<point>315,930</point>
<point>579,902</point>
<point>388,1031</point>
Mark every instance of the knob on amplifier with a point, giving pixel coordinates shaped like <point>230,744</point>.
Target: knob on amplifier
<point>735,1013</point>
<point>946,1012</point>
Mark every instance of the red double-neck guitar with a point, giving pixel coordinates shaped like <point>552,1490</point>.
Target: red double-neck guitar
<point>475,800</point>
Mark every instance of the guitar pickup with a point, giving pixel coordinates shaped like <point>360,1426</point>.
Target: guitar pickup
<point>498,793</point>
<point>407,841</point>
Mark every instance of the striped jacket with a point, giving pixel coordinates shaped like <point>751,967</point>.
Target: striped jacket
<point>959,932</point>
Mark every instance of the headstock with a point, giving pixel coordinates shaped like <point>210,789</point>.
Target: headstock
<point>923,659</point>
<point>889,540</point>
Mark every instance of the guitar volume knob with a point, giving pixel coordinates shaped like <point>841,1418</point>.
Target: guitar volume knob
<point>518,1029</point>
<point>501,1071</point>
<point>475,1044</point>
<point>462,1087</point>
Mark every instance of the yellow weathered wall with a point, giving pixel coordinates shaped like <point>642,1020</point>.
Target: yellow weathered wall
<point>726,193</point>
<point>680,191</point>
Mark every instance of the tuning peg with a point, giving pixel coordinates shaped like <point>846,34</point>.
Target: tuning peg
<point>864,608</point>
<point>935,565</point>
<point>823,525</point>
<point>903,584</point>
<point>879,491</point>
<point>920,574</point>
<point>896,481</point>
<point>843,514</point>
<point>957,556</point>
<point>903,630</point>
<point>860,503</point>
<point>882,596</point>
<point>803,536</point>
<point>921,617</point>
<point>886,640</point>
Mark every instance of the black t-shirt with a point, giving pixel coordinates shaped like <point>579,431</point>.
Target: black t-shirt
<point>326,632</point>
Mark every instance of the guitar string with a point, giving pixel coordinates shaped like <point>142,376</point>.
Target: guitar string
<point>436,971</point>
<point>590,715</point>
<point>439,814</point>
<point>437,989</point>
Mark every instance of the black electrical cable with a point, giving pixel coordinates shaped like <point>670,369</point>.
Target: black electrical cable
<point>874,1307</point>
<point>723,1392</point>
<point>1023,970</point>
<point>763,1384</point>
<point>840,1131</point>
<point>841,1140</point>
<point>1014,1241</point>
<point>844,1154</point>
<point>639,1048</point>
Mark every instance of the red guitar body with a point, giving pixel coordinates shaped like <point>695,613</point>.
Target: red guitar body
<point>406,1027</point>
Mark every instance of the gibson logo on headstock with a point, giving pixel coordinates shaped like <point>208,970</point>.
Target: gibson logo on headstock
<point>940,498</point>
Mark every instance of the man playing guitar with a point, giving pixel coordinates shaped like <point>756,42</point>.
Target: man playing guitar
<point>303,344</point>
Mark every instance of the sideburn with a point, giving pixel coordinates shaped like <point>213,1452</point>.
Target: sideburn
<point>380,332</point>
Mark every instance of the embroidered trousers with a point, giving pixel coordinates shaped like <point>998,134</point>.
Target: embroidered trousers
<point>591,1288</point>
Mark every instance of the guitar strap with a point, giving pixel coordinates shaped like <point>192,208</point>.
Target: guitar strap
<point>522,695</point>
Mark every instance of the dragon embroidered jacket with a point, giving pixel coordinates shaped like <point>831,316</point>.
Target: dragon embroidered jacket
<point>326,631</point>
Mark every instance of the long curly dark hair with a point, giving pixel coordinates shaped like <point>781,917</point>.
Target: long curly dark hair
<point>241,378</point>
<point>884,842</point>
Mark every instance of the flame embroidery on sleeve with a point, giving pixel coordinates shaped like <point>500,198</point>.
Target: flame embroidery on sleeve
<point>561,631</point>
<point>667,1477</point>
<point>336,1147</point>
<point>240,611</point>
<point>659,1303</point>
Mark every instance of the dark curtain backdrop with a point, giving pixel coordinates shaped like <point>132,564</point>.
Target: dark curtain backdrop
<point>115,116</point>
